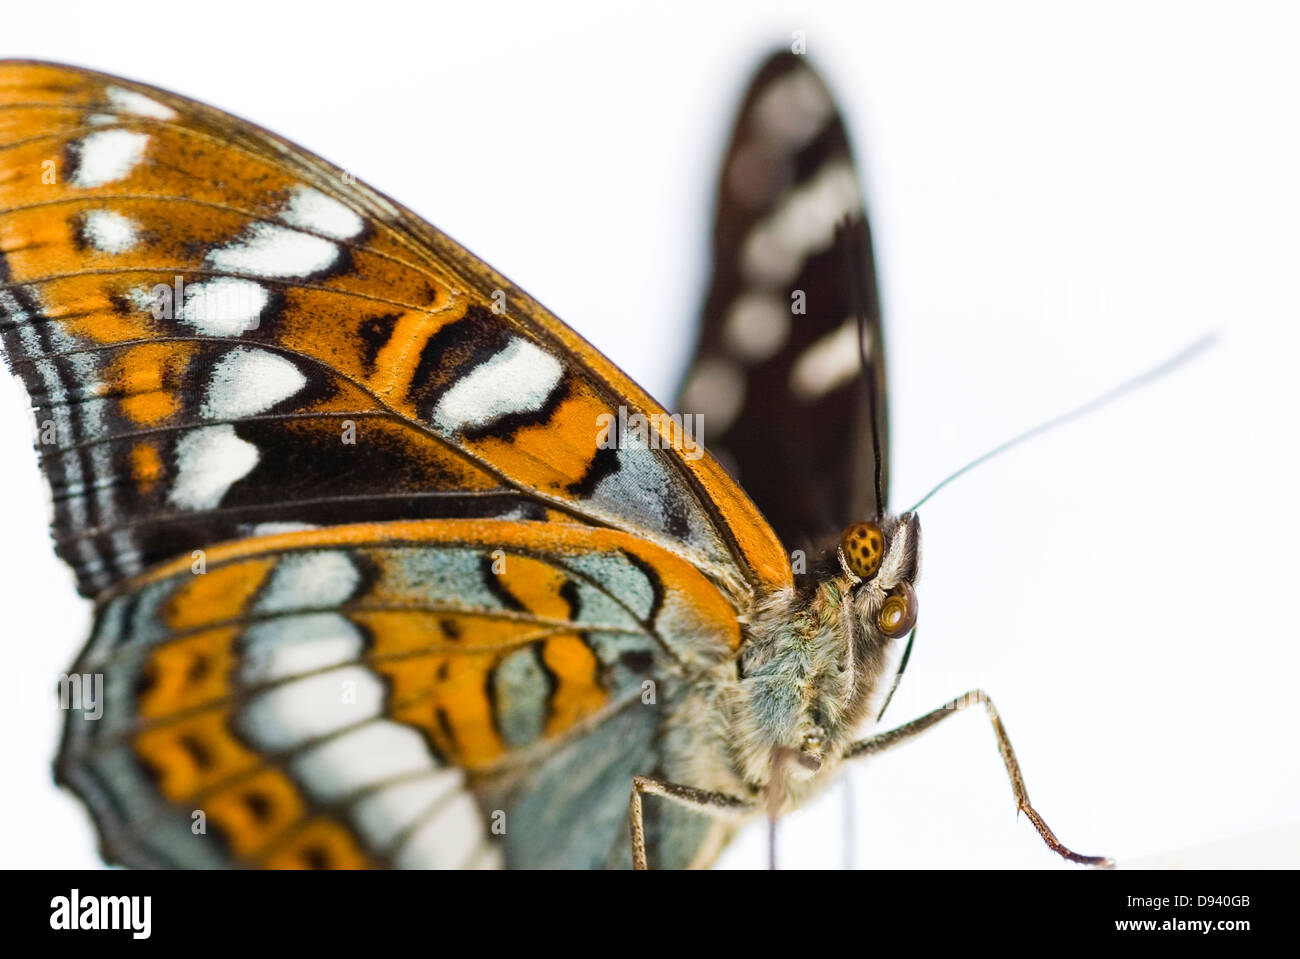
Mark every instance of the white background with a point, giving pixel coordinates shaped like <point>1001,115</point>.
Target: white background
<point>1062,195</point>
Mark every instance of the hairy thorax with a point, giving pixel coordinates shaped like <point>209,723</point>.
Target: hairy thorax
<point>811,677</point>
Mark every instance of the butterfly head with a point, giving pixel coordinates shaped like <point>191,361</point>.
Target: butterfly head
<point>821,662</point>
<point>880,562</point>
<point>876,611</point>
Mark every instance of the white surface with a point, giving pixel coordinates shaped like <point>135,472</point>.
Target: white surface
<point>1062,194</point>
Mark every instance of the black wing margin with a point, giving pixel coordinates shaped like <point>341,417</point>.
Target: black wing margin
<point>789,369</point>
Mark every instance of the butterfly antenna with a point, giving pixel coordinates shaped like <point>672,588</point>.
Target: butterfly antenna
<point>1114,393</point>
<point>854,230</point>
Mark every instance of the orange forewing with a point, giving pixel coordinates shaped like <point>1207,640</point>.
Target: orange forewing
<point>202,178</point>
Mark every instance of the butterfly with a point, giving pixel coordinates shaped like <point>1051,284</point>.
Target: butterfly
<point>390,567</point>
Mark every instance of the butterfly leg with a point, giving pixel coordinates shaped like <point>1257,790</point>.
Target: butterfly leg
<point>893,737</point>
<point>710,803</point>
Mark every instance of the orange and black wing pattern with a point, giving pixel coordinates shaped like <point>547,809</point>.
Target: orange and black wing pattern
<point>372,585</point>
<point>366,695</point>
<point>212,323</point>
<point>789,370</point>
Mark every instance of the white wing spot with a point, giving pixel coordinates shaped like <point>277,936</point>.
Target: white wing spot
<point>109,232</point>
<point>249,381</point>
<point>223,306</point>
<point>383,815</point>
<point>716,390</point>
<point>786,116</point>
<point>756,326</point>
<point>378,751</point>
<point>270,250</point>
<point>289,646</point>
<point>447,839</point>
<point>313,210</point>
<point>128,101</point>
<point>517,379</point>
<point>828,363</point>
<point>793,109</point>
<point>309,579</point>
<point>803,224</point>
<point>317,578</point>
<point>209,461</point>
<point>108,155</point>
<point>291,714</point>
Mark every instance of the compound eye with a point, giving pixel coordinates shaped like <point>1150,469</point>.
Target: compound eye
<point>898,614</point>
<point>864,548</point>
